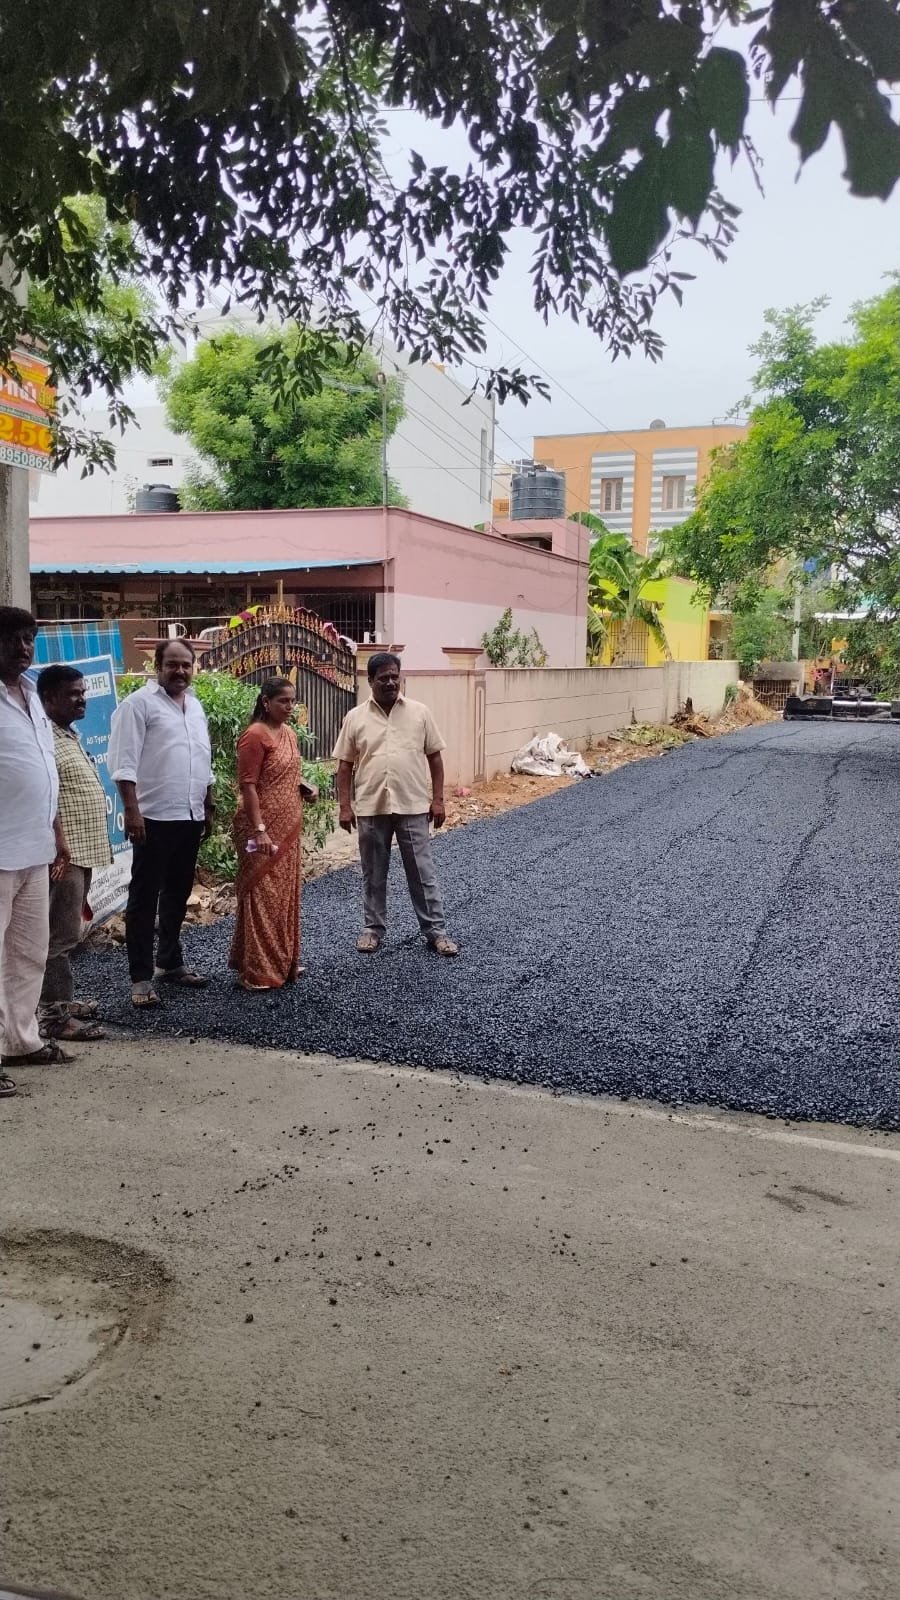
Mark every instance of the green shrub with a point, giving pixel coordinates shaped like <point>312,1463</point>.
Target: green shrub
<point>506,646</point>
<point>228,704</point>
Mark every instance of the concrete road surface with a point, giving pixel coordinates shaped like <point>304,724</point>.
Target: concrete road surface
<point>351,1332</point>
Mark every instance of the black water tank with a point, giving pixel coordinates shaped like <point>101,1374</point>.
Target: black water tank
<point>536,491</point>
<point>156,497</point>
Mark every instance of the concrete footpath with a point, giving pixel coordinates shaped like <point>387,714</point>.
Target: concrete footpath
<point>291,1327</point>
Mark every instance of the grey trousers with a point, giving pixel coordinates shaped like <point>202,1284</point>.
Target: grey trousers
<point>66,929</point>
<point>414,843</point>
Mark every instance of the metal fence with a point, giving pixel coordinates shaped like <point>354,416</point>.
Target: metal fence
<point>300,646</point>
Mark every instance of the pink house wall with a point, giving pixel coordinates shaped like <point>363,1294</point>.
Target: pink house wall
<point>209,536</point>
<point>444,584</point>
<point>451,585</point>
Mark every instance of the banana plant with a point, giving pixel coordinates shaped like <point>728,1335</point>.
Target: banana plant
<point>617,581</point>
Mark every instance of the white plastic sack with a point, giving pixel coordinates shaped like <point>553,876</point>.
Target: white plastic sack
<point>547,756</point>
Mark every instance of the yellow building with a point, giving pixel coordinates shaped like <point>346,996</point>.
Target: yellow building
<point>686,625</point>
<point>639,481</point>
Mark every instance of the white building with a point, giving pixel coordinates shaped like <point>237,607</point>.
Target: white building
<point>441,454</point>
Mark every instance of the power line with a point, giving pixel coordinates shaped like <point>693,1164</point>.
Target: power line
<point>525,452</point>
<point>476,466</point>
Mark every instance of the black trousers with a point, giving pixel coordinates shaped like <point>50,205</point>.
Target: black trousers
<point>162,876</point>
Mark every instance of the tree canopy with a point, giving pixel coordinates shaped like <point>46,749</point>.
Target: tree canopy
<point>102,343</point>
<point>260,451</point>
<point>245,141</point>
<point>816,481</point>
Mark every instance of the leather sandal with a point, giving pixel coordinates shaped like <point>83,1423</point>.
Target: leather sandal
<point>368,943</point>
<point>49,1055</point>
<point>144,996</point>
<point>77,1032</point>
<point>181,978</point>
<point>443,945</point>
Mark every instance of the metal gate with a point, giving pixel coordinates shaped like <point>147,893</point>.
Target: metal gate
<point>300,646</point>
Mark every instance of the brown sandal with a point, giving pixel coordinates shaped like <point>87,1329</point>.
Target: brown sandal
<point>182,978</point>
<point>77,1032</point>
<point>49,1055</point>
<point>143,996</point>
<point>442,945</point>
<point>368,943</point>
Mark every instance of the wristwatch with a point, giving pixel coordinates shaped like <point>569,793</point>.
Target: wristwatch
<point>260,827</point>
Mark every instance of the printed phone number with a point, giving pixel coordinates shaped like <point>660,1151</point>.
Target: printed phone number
<point>12,456</point>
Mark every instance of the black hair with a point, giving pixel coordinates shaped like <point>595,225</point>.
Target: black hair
<point>54,676</point>
<point>382,658</point>
<point>14,620</point>
<point>163,646</point>
<point>267,691</point>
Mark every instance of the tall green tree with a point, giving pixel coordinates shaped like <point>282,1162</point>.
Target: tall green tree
<point>618,578</point>
<point>260,449</point>
<point>246,142</point>
<point>816,482</point>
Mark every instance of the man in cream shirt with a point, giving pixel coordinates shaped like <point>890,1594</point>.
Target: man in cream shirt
<point>32,849</point>
<point>161,760</point>
<point>389,748</point>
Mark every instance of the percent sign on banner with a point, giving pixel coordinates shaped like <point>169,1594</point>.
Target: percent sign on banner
<point>27,402</point>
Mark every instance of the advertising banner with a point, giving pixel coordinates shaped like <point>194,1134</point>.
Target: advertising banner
<point>27,402</point>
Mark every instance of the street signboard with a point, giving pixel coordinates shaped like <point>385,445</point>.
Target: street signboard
<point>27,402</point>
<point>109,885</point>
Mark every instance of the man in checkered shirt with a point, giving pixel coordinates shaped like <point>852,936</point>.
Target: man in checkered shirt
<point>82,811</point>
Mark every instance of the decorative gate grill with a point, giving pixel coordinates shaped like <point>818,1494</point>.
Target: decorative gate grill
<point>282,643</point>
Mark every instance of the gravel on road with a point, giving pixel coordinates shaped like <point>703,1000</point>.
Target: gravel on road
<point>721,925</point>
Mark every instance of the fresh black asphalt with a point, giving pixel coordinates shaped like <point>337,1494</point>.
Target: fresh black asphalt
<point>719,925</point>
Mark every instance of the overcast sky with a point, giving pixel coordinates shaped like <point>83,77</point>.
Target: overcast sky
<point>807,236</point>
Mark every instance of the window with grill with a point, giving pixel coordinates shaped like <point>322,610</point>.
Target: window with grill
<point>674,490</point>
<point>610,494</point>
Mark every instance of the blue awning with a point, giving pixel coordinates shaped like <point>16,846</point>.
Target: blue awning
<point>198,569</point>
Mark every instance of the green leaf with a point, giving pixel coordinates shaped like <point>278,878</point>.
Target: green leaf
<point>632,122</point>
<point>689,165</point>
<point>817,109</point>
<point>640,219</point>
<point>723,94</point>
<point>787,37</point>
<point>660,46</point>
<point>871,143</point>
<point>874,27</point>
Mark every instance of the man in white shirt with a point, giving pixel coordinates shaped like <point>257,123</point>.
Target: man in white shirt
<point>31,841</point>
<point>161,760</point>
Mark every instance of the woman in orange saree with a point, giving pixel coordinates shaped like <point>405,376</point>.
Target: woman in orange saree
<point>268,828</point>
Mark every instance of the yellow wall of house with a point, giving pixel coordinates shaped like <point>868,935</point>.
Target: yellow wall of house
<point>686,624</point>
<point>572,454</point>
